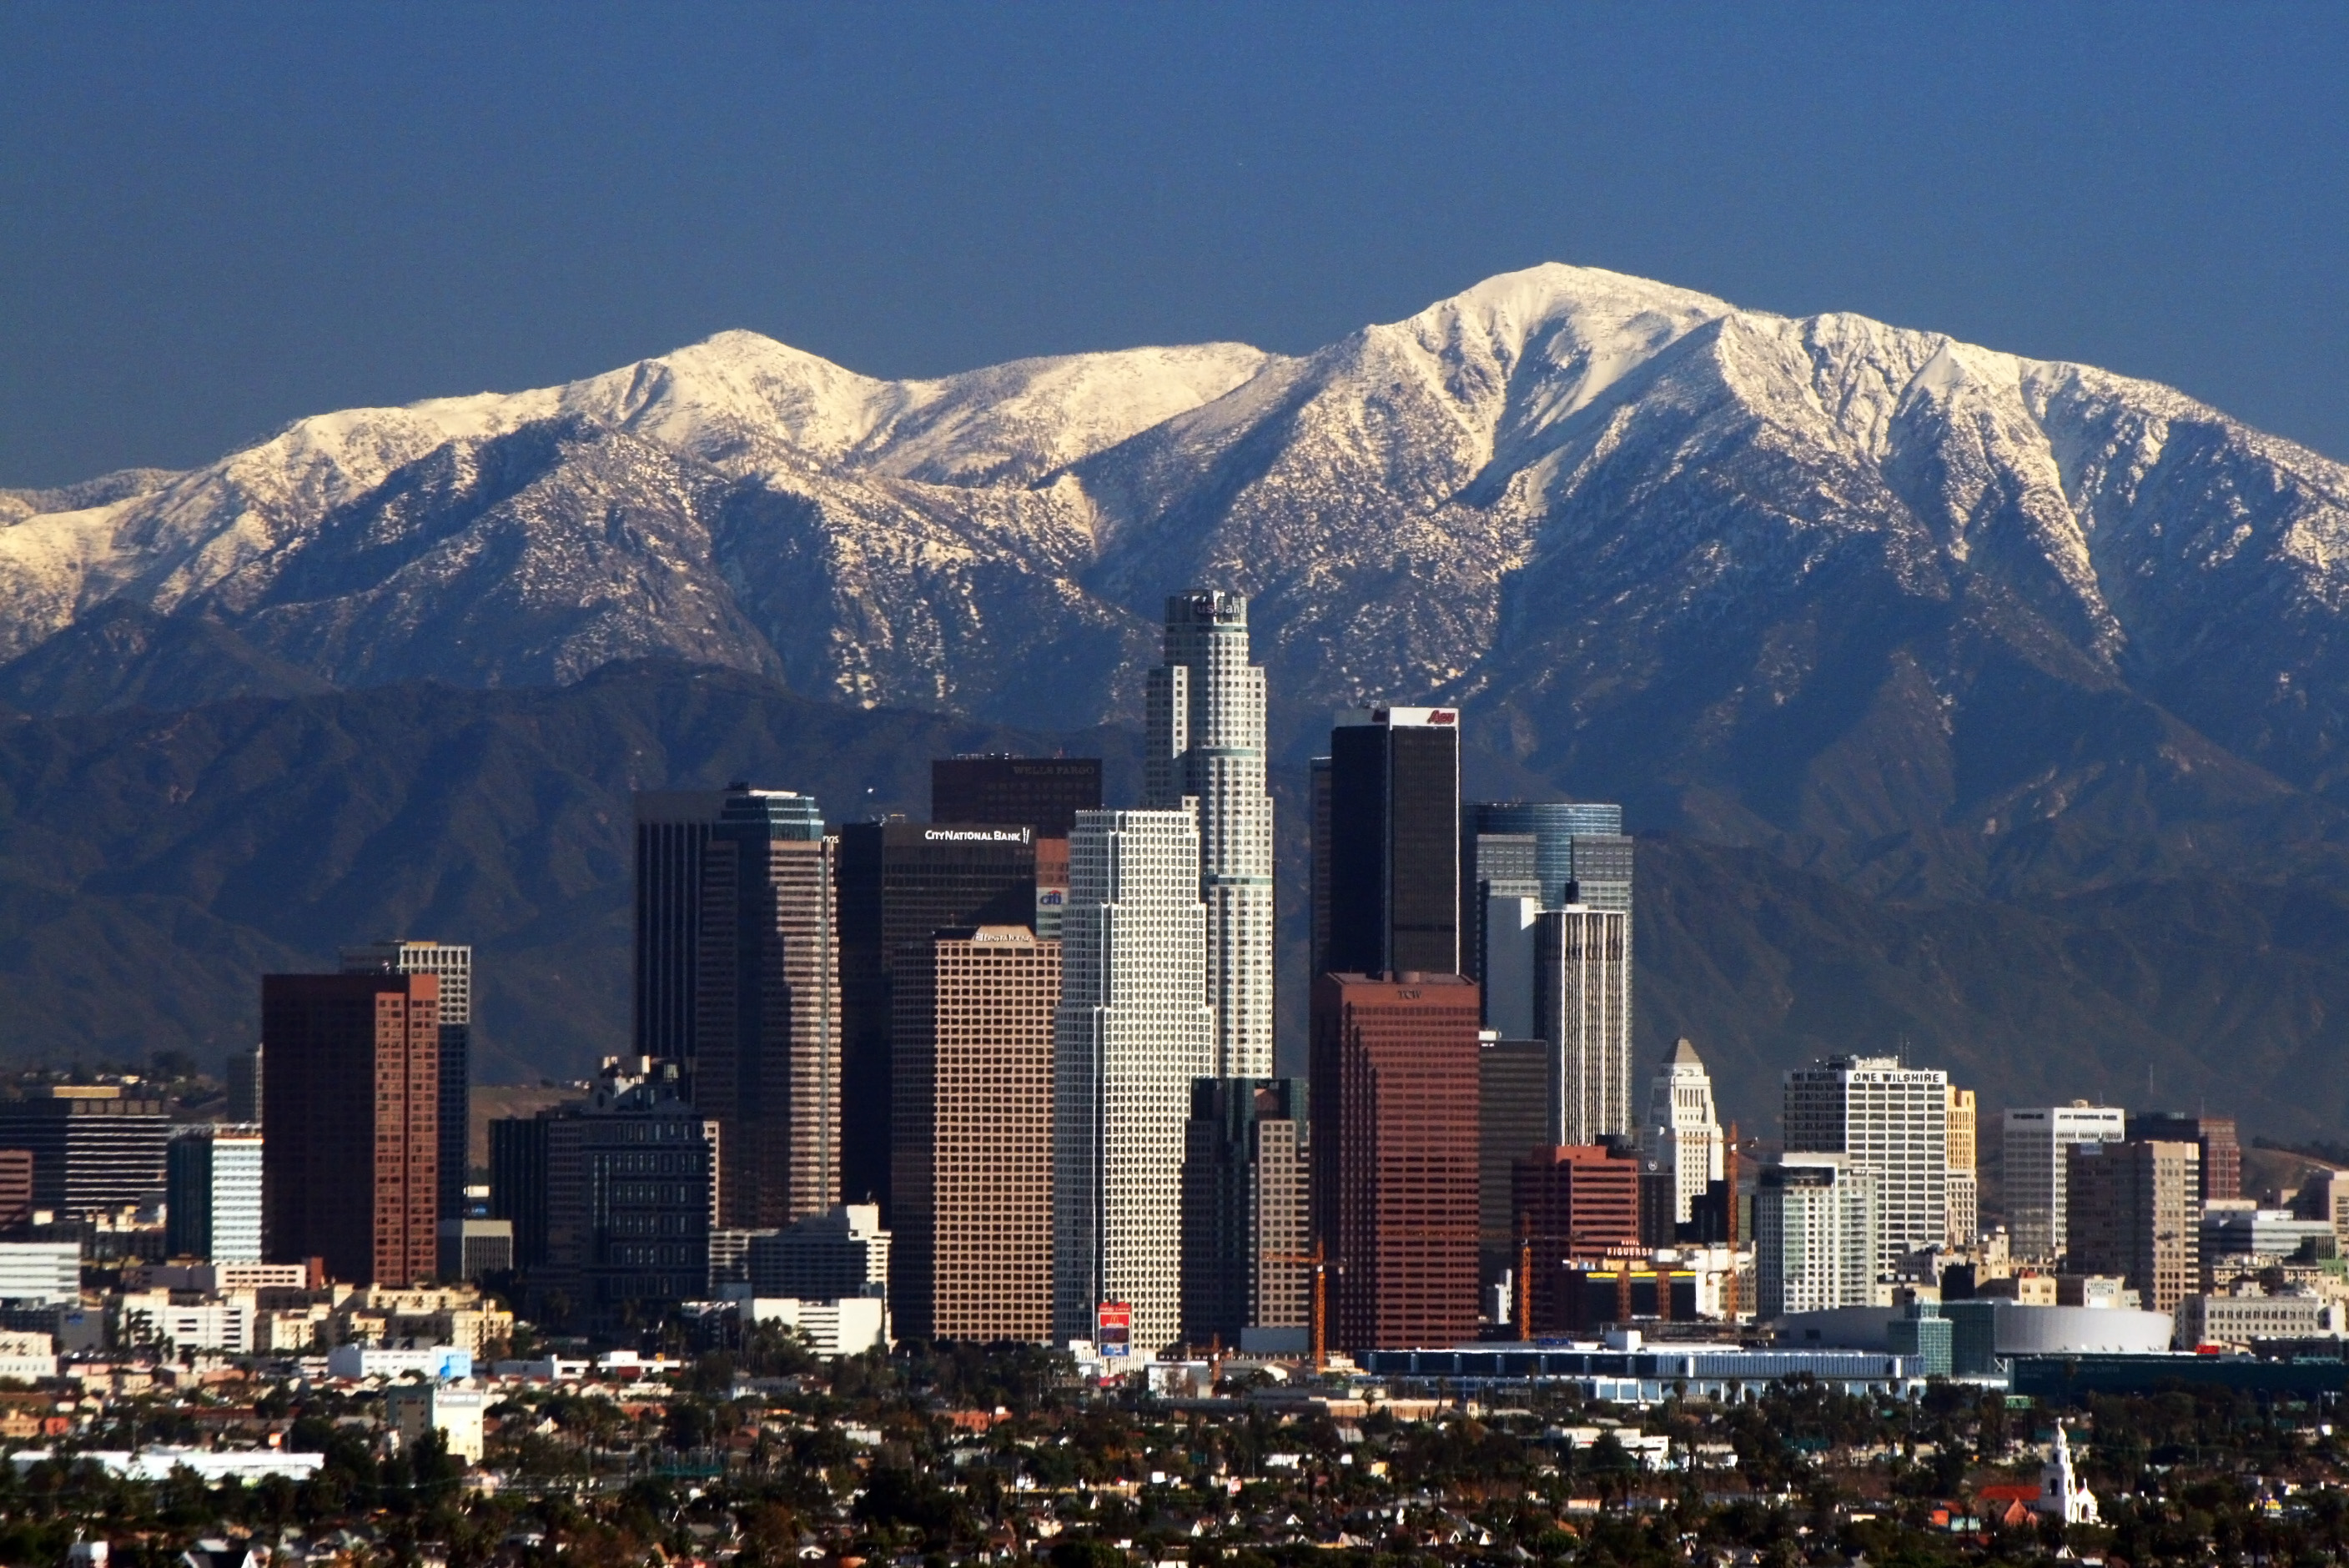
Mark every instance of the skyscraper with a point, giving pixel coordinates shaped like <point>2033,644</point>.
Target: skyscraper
<point>1246,1216</point>
<point>737,981</point>
<point>1576,1203</point>
<point>245,1086</point>
<point>452,963</point>
<point>212,1196</point>
<point>1395,841</point>
<point>1133,1031</point>
<point>1551,852</point>
<point>1205,746</point>
<point>2134,1209</point>
<point>973,1141</point>
<point>1892,1123</point>
<point>1815,1235</point>
<point>1582,1006</point>
<point>351,1124</point>
<point>1965,1190</point>
<point>1043,793</point>
<point>628,1195</point>
<point>766,1062</point>
<point>1514,1118</point>
<point>2220,1156</point>
<point>93,1146</point>
<point>899,882</point>
<point>1683,1132</point>
<point>2035,1141</point>
<point>1395,1147</point>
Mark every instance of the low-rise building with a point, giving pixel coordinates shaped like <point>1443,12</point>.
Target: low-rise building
<point>845,1326</point>
<point>455,1413</point>
<point>32,1357</point>
<point>2243,1318</point>
<point>360,1362</point>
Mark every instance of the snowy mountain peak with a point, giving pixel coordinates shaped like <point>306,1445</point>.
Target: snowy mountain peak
<point>1635,521</point>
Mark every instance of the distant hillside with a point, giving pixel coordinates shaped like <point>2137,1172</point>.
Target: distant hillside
<point>151,865</point>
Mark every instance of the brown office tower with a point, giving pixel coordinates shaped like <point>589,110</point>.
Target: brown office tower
<point>2136,1212</point>
<point>350,1118</point>
<point>2214,1136</point>
<point>1246,1219</point>
<point>766,1049</point>
<point>1514,1120</point>
<point>900,882</point>
<point>972,1257</point>
<point>1395,1156</point>
<point>1041,793</point>
<point>1574,1204</point>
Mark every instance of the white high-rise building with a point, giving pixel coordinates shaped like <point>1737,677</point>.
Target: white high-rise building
<point>1205,744</point>
<point>213,1194</point>
<point>1683,1134</point>
<point>1133,1031</point>
<point>1815,1235</point>
<point>1891,1122</point>
<point>1582,1006</point>
<point>2034,1142</point>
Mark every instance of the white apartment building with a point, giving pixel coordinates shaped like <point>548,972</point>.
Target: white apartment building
<point>1683,1132</point>
<point>1132,1030</point>
<point>1582,1006</point>
<point>2034,1140</point>
<point>153,1318</point>
<point>1815,1235</point>
<point>1206,706</point>
<point>1893,1123</point>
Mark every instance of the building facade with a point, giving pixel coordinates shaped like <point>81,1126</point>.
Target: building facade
<point>1133,1032</point>
<point>2034,1141</point>
<point>972,1143</point>
<point>842,1252</point>
<point>1393,858</point>
<point>630,1175</point>
<point>1395,1154</point>
<point>1041,793</point>
<point>900,882</point>
<point>2135,1209</point>
<point>1575,1204</point>
<point>212,1195</point>
<point>1683,1132</point>
<point>1815,1224</point>
<point>1246,1217</point>
<point>94,1148</point>
<point>518,1184</point>
<point>1582,1006</point>
<point>1513,1118</point>
<point>766,1049</point>
<point>1892,1123</point>
<point>1554,853</point>
<point>1964,1184</point>
<point>1204,751</point>
<point>351,1124</point>
<point>452,964</point>
<point>2214,1137</point>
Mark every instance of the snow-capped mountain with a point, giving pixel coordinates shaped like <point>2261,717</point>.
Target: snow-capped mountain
<point>1824,581</point>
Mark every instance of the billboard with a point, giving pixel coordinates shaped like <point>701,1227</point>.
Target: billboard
<point>1114,1328</point>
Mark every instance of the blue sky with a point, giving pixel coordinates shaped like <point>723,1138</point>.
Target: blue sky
<point>214,219</point>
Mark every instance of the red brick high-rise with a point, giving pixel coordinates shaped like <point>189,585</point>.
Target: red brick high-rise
<point>1579,1202</point>
<point>350,1153</point>
<point>1394,1119</point>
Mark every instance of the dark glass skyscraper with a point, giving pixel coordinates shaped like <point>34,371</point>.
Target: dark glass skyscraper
<point>738,982</point>
<point>900,883</point>
<point>1043,793</point>
<point>1394,842</point>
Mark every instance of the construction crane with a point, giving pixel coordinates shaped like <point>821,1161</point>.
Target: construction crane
<point>1321,1264</point>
